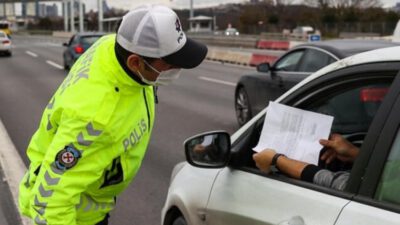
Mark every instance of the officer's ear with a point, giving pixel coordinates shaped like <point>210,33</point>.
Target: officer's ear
<point>133,62</point>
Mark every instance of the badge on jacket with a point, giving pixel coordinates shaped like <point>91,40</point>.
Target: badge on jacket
<point>67,158</point>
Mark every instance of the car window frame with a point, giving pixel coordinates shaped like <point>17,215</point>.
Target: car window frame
<point>82,38</point>
<point>358,170</point>
<point>384,139</point>
<point>71,41</point>
<point>311,49</point>
<point>286,55</point>
<point>300,48</point>
<point>307,92</point>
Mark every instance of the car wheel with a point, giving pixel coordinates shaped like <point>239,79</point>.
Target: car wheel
<point>9,53</point>
<point>179,221</point>
<point>242,106</point>
<point>66,67</point>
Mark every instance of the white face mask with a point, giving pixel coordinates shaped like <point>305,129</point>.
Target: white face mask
<point>164,77</point>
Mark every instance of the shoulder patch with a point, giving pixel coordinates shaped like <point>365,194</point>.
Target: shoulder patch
<point>67,158</point>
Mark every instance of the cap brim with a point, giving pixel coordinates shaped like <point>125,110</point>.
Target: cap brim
<point>189,56</point>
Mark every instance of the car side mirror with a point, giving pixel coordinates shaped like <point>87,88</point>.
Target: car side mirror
<point>208,150</point>
<point>65,44</point>
<point>263,67</point>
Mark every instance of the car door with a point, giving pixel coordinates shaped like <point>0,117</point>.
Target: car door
<point>242,194</point>
<point>378,200</point>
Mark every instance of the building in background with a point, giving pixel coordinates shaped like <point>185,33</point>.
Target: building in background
<point>7,10</point>
<point>48,10</point>
<point>201,24</point>
<point>106,8</point>
<point>52,10</point>
<point>76,8</point>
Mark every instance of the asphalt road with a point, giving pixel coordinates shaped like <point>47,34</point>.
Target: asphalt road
<point>201,100</point>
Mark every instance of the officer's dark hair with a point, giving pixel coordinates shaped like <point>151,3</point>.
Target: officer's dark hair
<point>124,54</point>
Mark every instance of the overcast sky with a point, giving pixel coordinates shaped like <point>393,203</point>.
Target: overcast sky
<point>129,4</point>
<point>180,4</point>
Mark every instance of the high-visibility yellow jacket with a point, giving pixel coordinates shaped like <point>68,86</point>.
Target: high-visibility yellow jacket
<point>90,143</point>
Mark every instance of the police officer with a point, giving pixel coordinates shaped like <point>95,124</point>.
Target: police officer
<point>95,130</point>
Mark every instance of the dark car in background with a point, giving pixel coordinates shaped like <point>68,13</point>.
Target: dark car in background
<point>77,45</point>
<point>254,91</point>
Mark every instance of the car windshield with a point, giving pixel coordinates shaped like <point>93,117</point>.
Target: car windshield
<point>89,39</point>
<point>231,30</point>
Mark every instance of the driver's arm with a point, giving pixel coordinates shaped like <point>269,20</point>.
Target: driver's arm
<point>301,170</point>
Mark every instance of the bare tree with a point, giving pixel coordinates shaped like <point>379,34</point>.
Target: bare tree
<point>283,2</point>
<point>343,3</point>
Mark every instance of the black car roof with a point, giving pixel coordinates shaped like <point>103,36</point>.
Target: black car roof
<point>346,47</point>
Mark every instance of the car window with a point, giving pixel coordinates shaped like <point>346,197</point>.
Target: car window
<point>231,30</point>
<point>314,60</point>
<point>289,62</point>
<point>89,40</point>
<point>352,102</point>
<point>353,109</point>
<point>71,41</point>
<point>2,35</point>
<point>389,184</point>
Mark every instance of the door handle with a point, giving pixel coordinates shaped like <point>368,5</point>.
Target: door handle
<point>202,215</point>
<point>295,220</point>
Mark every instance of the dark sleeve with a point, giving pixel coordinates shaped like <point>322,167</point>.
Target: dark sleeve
<point>309,172</point>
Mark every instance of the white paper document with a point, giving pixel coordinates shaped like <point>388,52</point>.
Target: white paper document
<point>294,132</point>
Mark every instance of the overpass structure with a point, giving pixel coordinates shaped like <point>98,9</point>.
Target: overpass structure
<point>31,8</point>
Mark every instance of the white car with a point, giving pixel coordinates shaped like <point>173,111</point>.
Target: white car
<point>220,184</point>
<point>231,32</point>
<point>5,44</point>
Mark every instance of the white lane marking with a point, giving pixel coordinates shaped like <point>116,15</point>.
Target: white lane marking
<point>218,81</point>
<point>51,63</point>
<point>31,54</point>
<point>13,167</point>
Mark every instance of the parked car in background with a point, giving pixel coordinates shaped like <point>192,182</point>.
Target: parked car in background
<point>362,93</point>
<point>5,26</point>
<point>231,32</point>
<point>302,32</point>
<point>5,44</point>
<point>254,91</point>
<point>77,45</point>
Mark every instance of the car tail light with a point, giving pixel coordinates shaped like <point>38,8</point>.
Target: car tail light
<point>6,42</point>
<point>373,94</point>
<point>78,49</point>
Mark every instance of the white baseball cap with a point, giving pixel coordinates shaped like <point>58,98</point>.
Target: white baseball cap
<point>155,31</point>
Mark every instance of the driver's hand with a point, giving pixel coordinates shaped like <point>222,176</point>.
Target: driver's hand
<point>263,159</point>
<point>340,148</point>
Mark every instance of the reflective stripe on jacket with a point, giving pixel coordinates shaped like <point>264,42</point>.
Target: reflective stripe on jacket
<point>106,118</point>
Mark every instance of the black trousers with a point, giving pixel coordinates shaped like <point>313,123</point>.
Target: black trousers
<point>104,221</point>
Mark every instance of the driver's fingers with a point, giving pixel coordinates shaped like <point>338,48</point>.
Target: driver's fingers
<point>331,158</point>
<point>260,163</point>
<point>327,143</point>
<point>328,155</point>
